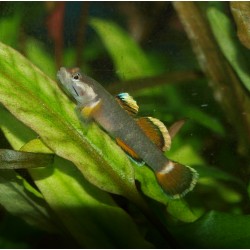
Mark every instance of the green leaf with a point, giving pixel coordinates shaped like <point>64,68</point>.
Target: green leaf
<point>226,37</point>
<point>176,208</point>
<point>129,59</point>
<point>180,210</point>
<point>202,118</point>
<point>36,52</point>
<point>88,213</point>
<point>37,101</point>
<point>12,159</point>
<point>9,26</point>
<point>186,155</point>
<point>149,184</point>
<point>216,173</point>
<point>29,203</point>
<point>216,230</point>
<point>15,131</point>
<point>24,202</point>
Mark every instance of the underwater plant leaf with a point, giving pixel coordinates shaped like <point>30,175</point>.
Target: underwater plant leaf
<point>22,200</point>
<point>37,54</point>
<point>9,26</point>
<point>241,13</point>
<point>226,37</point>
<point>180,210</point>
<point>203,118</point>
<point>226,85</point>
<point>216,173</point>
<point>186,155</point>
<point>12,159</point>
<point>129,59</point>
<point>89,213</point>
<point>176,208</point>
<point>38,102</point>
<point>215,230</point>
<point>15,131</point>
<point>132,62</point>
<point>149,186</point>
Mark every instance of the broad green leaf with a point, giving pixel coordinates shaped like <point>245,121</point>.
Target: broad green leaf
<point>12,159</point>
<point>88,213</point>
<point>28,204</point>
<point>17,199</point>
<point>129,59</point>
<point>176,208</point>
<point>215,230</point>
<point>180,210</point>
<point>15,131</point>
<point>149,184</point>
<point>37,101</point>
<point>226,37</point>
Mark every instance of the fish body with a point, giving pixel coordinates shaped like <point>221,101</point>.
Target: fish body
<point>95,102</point>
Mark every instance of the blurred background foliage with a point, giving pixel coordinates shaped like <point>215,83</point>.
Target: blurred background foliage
<point>182,60</point>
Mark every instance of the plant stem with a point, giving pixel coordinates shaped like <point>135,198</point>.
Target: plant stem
<point>227,88</point>
<point>171,78</point>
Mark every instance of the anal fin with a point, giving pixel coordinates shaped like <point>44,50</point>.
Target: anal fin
<point>130,152</point>
<point>155,131</point>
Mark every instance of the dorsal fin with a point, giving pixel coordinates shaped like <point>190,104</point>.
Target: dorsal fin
<point>155,131</point>
<point>130,152</point>
<point>128,103</point>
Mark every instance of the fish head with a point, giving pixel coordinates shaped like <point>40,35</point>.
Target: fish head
<point>72,82</point>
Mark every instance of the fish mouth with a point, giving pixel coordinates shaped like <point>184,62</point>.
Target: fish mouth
<point>62,75</point>
<point>65,79</point>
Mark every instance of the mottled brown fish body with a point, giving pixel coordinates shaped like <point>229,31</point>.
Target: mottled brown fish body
<point>116,121</point>
<point>94,101</point>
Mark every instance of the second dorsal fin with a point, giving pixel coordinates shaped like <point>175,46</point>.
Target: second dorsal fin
<point>127,102</point>
<point>155,131</point>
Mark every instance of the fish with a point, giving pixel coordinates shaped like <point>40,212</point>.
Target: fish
<point>144,139</point>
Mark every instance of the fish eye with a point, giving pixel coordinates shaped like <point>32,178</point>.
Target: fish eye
<point>76,76</point>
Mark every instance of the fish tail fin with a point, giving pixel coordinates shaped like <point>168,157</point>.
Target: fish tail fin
<point>176,179</point>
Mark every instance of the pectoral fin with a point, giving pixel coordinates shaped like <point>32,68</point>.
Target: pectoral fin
<point>155,131</point>
<point>128,103</point>
<point>88,110</point>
